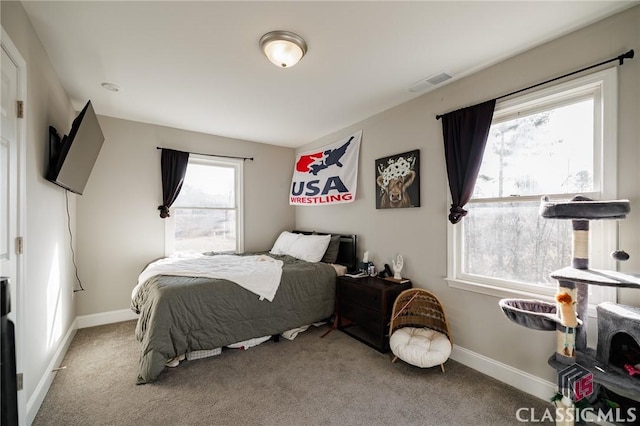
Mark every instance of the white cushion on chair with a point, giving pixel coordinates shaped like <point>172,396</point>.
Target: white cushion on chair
<point>421,347</point>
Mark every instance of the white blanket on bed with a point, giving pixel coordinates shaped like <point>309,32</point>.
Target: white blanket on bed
<point>259,274</point>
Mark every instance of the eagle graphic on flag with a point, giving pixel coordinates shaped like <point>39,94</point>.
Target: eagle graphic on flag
<point>327,175</point>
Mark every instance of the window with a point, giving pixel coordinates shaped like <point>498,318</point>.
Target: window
<point>558,142</point>
<point>207,215</point>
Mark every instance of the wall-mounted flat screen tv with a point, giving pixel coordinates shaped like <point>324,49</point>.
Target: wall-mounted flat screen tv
<point>72,157</point>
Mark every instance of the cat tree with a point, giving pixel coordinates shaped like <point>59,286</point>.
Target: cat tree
<point>568,317</point>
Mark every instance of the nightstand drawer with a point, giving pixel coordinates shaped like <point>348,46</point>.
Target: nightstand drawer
<point>366,318</point>
<point>360,294</point>
<point>364,307</point>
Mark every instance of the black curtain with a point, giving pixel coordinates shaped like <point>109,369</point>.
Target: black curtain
<point>174,167</point>
<point>465,134</point>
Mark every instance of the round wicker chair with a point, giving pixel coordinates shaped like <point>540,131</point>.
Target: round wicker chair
<point>419,331</point>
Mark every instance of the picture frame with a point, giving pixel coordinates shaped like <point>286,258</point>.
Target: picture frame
<point>398,180</point>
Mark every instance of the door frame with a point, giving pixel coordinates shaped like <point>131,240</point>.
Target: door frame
<point>19,298</point>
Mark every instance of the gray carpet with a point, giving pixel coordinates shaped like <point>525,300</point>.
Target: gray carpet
<point>308,381</point>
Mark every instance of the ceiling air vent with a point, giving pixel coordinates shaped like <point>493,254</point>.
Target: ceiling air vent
<point>438,78</point>
<point>429,82</point>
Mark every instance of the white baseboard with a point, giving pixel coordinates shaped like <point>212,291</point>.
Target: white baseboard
<point>519,379</point>
<point>34,403</point>
<point>103,318</point>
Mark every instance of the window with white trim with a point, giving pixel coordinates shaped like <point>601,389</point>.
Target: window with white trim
<point>558,142</point>
<point>207,215</point>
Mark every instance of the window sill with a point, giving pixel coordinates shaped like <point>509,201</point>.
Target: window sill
<point>496,291</point>
<point>507,293</point>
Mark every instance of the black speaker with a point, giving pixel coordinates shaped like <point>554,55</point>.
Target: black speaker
<point>9,415</point>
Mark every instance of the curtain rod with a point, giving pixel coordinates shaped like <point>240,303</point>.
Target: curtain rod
<point>621,58</point>
<point>212,155</point>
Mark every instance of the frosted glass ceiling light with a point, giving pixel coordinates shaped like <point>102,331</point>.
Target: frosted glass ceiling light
<point>283,48</point>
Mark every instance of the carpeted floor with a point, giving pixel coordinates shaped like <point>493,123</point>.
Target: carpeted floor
<point>308,381</point>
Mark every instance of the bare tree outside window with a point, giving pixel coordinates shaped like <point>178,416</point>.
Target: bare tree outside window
<point>527,156</point>
<point>206,210</point>
<point>558,141</point>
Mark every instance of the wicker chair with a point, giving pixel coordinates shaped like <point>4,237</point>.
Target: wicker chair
<point>419,331</point>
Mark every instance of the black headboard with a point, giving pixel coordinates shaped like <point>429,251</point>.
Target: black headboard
<point>347,254</point>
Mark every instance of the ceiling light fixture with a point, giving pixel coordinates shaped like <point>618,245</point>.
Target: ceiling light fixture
<point>283,48</point>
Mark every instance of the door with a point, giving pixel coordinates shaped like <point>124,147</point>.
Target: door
<point>12,79</point>
<point>8,173</point>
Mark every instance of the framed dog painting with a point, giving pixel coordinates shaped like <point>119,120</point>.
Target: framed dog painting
<point>398,181</point>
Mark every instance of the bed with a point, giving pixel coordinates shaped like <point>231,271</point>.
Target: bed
<point>182,314</point>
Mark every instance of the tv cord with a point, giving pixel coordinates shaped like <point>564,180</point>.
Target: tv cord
<point>73,253</point>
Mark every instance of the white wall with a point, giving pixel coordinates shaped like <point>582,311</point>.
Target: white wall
<point>119,228</point>
<point>48,308</point>
<point>420,234</point>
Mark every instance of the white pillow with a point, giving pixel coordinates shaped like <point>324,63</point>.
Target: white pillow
<point>310,247</point>
<point>284,242</point>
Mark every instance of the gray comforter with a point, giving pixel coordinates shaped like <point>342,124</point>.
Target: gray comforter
<point>182,314</point>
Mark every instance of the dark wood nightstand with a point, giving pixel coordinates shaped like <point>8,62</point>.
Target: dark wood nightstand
<point>364,308</point>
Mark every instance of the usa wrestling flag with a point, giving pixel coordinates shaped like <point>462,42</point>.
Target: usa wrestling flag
<point>327,175</point>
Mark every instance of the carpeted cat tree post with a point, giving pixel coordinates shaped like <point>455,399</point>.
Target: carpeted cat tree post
<point>568,317</point>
